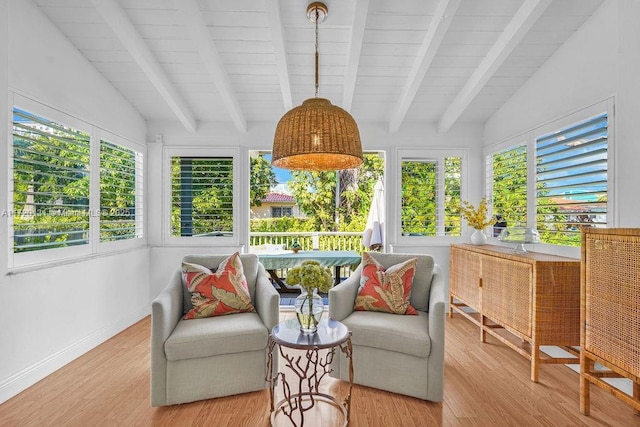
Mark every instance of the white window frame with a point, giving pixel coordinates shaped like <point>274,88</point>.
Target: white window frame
<point>167,238</point>
<point>429,155</point>
<point>530,136</point>
<point>54,256</point>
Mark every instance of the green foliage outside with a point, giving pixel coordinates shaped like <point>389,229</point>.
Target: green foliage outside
<point>315,193</point>
<point>51,184</point>
<point>201,196</point>
<point>357,189</point>
<point>510,200</point>
<point>558,232</point>
<point>117,192</point>
<point>452,184</point>
<point>420,197</point>
<point>564,229</point>
<point>571,180</point>
<point>418,213</point>
<point>261,180</point>
<point>510,185</point>
<point>51,164</point>
<point>282,224</point>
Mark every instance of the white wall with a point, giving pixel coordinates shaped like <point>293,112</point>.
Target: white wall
<point>4,116</point>
<point>50,315</point>
<point>628,114</point>
<point>165,260</point>
<point>601,60</point>
<point>582,72</point>
<point>44,66</point>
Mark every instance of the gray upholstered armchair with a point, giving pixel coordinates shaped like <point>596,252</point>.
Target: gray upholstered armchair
<point>217,356</point>
<point>399,353</point>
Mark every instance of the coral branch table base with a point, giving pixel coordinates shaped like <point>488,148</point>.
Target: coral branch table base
<point>307,367</point>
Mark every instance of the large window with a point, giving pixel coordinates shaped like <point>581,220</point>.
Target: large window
<point>507,190</point>
<point>50,184</point>
<point>558,180</point>
<point>71,188</point>
<point>419,188</point>
<point>202,196</point>
<point>120,192</point>
<point>430,196</point>
<point>571,180</point>
<point>325,210</point>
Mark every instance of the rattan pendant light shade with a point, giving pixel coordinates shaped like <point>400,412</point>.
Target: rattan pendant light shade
<point>317,136</point>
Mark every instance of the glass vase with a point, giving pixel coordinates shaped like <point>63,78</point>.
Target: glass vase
<point>309,309</point>
<point>478,237</point>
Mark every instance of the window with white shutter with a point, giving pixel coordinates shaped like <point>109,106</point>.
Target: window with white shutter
<point>121,190</point>
<point>556,177</point>
<point>50,181</point>
<point>572,180</point>
<point>202,196</point>
<point>507,189</point>
<point>72,186</point>
<point>430,196</point>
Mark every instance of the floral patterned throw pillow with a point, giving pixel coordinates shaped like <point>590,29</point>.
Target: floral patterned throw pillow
<point>387,290</point>
<point>219,293</point>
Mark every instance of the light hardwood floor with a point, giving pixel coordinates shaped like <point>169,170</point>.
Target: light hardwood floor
<point>485,385</point>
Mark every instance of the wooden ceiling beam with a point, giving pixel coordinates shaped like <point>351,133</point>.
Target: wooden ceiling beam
<point>119,22</point>
<point>361,9</point>
<point>277,37</point>
<point>440,22</point>
<point>213,64</point>
<point>512,35</point>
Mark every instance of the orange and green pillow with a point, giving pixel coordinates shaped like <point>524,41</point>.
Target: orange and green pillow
<point>216,294</point>
<point>386,290</point>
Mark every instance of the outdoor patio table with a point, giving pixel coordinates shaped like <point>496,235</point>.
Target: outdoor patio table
<point>288,259</point>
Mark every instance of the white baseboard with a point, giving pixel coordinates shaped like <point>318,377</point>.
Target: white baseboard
<point>25,378</point>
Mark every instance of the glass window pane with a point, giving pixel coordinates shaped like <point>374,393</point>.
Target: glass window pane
<point>452,183</point>
<point>201,196</point>
<point>572,180</point>
<point>419,198</point>
<point>431,197</point>
<point>509,187</point>
<point>50,184</point>
<point>120,192</point>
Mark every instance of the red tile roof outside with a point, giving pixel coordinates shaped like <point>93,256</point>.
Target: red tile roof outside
<point>278,198</point>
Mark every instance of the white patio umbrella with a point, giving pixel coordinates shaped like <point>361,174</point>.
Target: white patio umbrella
<point>373,236</point>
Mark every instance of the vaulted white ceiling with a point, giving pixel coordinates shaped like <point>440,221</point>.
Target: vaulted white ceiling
<point>391,62</point>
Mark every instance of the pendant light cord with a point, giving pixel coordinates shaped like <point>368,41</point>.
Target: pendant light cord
<point>317,18</point>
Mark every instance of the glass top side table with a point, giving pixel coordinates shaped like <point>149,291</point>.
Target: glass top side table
<point>308,367</point>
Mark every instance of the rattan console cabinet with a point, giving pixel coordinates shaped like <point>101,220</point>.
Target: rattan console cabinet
<point>610,300</point>
<point>523,300</point>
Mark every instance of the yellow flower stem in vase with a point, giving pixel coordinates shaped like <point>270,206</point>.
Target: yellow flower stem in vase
<point>477,218</point>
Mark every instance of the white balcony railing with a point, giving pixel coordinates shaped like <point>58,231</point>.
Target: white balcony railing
<point>314,240</point>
